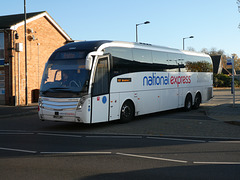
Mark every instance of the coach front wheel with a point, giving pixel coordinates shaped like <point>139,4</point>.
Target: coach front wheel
<point>127,112</point>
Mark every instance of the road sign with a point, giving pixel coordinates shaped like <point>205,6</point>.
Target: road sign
<point>232,86</point>
<point>229,61</point>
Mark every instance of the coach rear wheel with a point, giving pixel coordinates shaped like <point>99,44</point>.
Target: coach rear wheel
<point>127,112</point>
<point>188,103</point>
<point>197,101</point>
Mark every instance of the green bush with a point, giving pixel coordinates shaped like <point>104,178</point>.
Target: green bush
<point>236,83</point>
<point>223,80</point>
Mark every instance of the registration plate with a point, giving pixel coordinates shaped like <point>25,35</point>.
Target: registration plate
<point>57,116</point>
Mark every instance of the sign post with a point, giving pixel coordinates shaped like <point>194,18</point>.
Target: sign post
<point>231,62</point>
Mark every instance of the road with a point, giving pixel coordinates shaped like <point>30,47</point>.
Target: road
<point>167,145</point>
<point>44,155</point>
<point>171,123</point>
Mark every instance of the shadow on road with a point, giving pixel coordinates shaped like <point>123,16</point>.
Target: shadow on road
<point>194,172</point>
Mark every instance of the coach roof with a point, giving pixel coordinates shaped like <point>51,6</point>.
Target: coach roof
<point>83,45</point>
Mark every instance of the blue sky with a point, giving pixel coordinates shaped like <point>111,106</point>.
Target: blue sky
<point>213,23</point>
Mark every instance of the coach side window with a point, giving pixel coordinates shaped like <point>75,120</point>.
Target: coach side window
<point>177,60</point>
<point>143,56</point>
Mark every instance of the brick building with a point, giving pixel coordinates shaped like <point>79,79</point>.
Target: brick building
<point>44,35</point>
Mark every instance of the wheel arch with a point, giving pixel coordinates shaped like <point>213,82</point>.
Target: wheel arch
<point>188,93</point>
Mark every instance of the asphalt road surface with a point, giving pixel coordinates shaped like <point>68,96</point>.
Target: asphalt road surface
<point>167,145</point>
<point>45,155</point>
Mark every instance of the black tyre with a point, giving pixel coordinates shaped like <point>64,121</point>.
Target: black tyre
<point>127,112</point>
<point>197,101</point>
<point>188,103</point>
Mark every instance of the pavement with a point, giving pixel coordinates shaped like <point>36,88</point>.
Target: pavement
<point>15,111</point>
<point>220,107</point>
<point>225,112</point>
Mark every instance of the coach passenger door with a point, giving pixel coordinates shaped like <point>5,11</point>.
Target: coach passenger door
<point>100,91</point>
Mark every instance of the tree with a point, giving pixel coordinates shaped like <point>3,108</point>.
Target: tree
<point>191,49</point>
<point>205,50</point>
<point>213,51</point>
<point>236,62</point>
<point>221,52</point>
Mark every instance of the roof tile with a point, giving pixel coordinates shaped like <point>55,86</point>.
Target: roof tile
<point>9,20</point>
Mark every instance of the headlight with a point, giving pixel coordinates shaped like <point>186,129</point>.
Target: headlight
<point>40,104</point>
<point>81,102</point>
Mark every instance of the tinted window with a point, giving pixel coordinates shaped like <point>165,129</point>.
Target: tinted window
<point>123,53</point>
<point>143,60</point>
<point>141,55</point>
<point>127,60</point>
<point>197,64</point>
<point>70,55</point>
<point>65,78</point>
<point>1,49</point>
<point>159,57</point>
<point>101,77</point>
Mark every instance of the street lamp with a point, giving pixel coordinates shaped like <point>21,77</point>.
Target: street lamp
<point>25,32</point>
<point>186,38</point>
<point>146,22</point>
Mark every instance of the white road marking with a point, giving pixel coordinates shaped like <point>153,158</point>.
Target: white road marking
<point>60,135</point>
<point>177,139</point>
<point>149,157</point>
<point>16,133</point>
<point>20,132</point>
<point>123,137</point>
<point>18,150</point>
<point>231,142</point>
<point>216,162</point>
<point>84,152</point>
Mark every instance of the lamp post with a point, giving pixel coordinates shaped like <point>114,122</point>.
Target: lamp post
<point>25,32</point>
<point>146,22</point>
<point>186,38</point>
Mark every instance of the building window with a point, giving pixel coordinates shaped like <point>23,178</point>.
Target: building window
<point>1,48</point>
